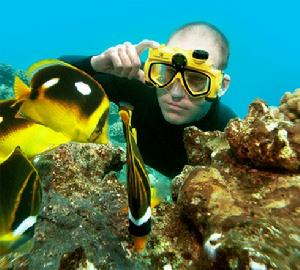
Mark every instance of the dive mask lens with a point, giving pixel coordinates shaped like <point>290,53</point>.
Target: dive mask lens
<point>196,82</point>
<point>161,74</point>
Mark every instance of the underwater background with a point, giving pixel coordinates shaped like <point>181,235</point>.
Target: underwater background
<point>263,35</point>
<point>235,206</point>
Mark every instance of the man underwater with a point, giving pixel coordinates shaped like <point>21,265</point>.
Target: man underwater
<point>189,83</point>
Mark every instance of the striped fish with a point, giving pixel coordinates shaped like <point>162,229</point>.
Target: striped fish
<point>20,201</point>
<point>138,185</point>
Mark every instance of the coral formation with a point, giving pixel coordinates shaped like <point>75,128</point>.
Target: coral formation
<point>244,216</point>
<point>236,205</point>
<point>247,213</point>
<point>225,215</point>
<point>290,105</point>
<point>83,221</point>
<point>7,75</point>
<point>116,127</point>
<point>264,139</point>
<point>82,217</point>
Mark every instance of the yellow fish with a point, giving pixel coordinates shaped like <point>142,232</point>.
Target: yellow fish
<point>31,137</point>
<point>20,201</point>
<point>65,99</point>
<point>138,186</point>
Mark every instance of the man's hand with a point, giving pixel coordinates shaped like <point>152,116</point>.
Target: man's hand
<point>123,60</point>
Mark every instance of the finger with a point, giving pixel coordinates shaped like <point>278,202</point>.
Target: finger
<point>116,61</point>
<point>134,60</point>
<point>145,44</point>
<point>141,76</point>
<point>126,63</point>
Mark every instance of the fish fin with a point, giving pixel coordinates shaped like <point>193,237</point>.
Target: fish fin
<point>125,112</point>
<point>7,108</point>
<point>21,115</point>
<point>9,237</point>
<point>7,240</point>
<point>21,89</point>
<point>155,200</point>
<point>44,63</point>
<point>134,134</point>
<point>124,116</point>
<point>140,243</point>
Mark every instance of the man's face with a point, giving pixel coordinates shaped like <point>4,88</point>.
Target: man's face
<point>176,105</point>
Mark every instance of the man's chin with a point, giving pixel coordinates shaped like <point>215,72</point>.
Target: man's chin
<point>174,119</point>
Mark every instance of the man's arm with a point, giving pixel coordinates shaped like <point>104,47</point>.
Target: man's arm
<point>81,62</point>
<point>122,60</point>
<point>118,70</point>
<point>117,88</point>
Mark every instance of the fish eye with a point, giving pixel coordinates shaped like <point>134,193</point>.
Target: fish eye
<point>83,88</point>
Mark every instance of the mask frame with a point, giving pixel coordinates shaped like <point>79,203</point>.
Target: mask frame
<point>181,62</point>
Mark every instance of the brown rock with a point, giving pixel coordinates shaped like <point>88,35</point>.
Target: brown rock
<point>262,139</point>
<point>248,218</point>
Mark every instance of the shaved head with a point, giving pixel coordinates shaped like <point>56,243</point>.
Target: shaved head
<point>201,35</point>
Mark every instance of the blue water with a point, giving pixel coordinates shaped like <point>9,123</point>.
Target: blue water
<point>264,36</point>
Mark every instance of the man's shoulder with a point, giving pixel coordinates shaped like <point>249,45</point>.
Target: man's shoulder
<point>224,110</point>
<point>217,117</point>
<point>223,113</point>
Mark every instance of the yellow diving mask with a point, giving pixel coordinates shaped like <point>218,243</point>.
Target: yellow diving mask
<point>192,67</point>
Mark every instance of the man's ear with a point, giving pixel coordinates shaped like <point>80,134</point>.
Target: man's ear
<point>225,85</point>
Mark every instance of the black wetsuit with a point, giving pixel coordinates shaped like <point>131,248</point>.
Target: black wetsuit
<point>160,143</point>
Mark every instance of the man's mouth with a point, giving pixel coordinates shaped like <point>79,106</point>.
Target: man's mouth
<point>175,107</point>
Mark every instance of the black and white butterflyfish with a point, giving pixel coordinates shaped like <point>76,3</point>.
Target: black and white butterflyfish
<point>138,185</point>
<point>65,99</point>
<point>31,137</point>
<point>20,202</point>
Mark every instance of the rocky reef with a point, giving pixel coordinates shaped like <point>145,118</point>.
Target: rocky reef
<point>83,221</point>
<point>241,193</point>
<point>229,212</point>
<point>265,138</point>
<point>235,205</point>
<point>290,105</point>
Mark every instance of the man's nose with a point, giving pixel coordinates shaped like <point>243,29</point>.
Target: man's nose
<point>176,90</point>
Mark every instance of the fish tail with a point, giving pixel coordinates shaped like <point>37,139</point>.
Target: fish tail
<point>21,89</point>
<point>140,243</point>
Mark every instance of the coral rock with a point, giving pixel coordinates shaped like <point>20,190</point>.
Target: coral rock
<point>263,139</point>
<point>83,225</point>
<point>247,218</point>
<point>82,221</point>
<point>290,105</point>
<point>7,75</point>
<point>202,146</point>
